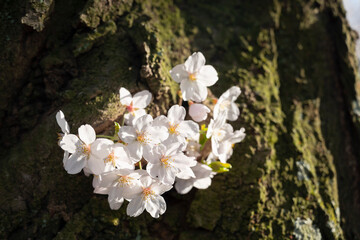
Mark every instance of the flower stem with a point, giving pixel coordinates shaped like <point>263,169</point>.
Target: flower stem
<point>140,166</point>
<point>108,137</point>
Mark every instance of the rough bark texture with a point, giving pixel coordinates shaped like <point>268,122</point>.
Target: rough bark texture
<point>294,61</point>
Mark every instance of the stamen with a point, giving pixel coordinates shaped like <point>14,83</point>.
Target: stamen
<point>147,193</point>
<point>166,161</point>
<point>141,137</point>
<point>172,129</point>
<point>192,76</point>
<point>125,180</point>
<point>110,158</point>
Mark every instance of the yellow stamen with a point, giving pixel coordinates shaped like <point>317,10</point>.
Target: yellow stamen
<point>141,137</point>
<point>172,129</point>
<point>86,149</point>
<point>110,158</point>
<point>125,180</point>
<point>147,193</point>
<point>192,76</point>
<point>166,161</point>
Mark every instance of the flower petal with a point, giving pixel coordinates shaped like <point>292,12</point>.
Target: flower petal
<point>198,112</point>
<point>75,163</point>
<point>125,97</point>
<point>156,206</point>
<point>178,73</point>
<point>127,134</point>
<point>87,133</point>
<point>207,76</point>
<point>69,143</point>
<point>188,128</point>
<point>63,124</point>
<point>142,122</point>
<point>96,165</point>
<point>194,63</point>
<point>192,90</point>
<point>176,114</point>
<point>116,204</point>
<point>135,207</point>
<point>183,186</point>
<point>142,99</point>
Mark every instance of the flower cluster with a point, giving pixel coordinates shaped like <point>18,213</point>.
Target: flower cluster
<point>146,157</point>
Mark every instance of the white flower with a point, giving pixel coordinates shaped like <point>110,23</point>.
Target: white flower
<point>218,130</point>
<point>142,136</point>
<point>194,77</point>
<point>166,161</point>
<point>225,149</point>
<point>148,198</point>
<point>119,184</point>
<point>63,124</point>
<point>202,180</point>
<point>226,104</point>
<point>116,155</point>
<point>178,129</point>
<point>198,112</point>
<point>83,150</point>
<point>193,147</point>
<point>134,105</point>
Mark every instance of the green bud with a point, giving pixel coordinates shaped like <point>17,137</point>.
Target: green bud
<point>220,167</point>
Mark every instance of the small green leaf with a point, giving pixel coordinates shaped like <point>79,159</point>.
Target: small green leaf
<point>220,167</point>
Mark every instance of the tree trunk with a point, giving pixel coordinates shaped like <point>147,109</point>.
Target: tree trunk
<point>293,60</point>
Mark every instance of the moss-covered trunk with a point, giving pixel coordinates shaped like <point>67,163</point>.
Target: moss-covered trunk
<point>294,61</point>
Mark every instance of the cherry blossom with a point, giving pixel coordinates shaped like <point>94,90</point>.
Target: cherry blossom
<point>119,184</point>
<point>177,127</point>
<point>202,179</point>
<point>149,198</point>
<point>142,136</point>
<point>83,151</point>
<point>134,105</point>
<point>166,161</point>
<point>226,104</point>
<point>194,77</point>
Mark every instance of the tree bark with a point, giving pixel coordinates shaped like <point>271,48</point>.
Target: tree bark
<point>293,60</point>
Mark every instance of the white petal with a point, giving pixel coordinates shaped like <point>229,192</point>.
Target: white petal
<point>194,63</point>
<point>173,148</point>
<point>75,163</point>
<point>156,206</point>
<point>87,133</point>
<point>135,207</point>
<point>66,156</point>
<point>207,76</point>
<point>142,99</point>
<point>178,73</point>
<point>202,183</point>
<point>183,186</point>
<point>142,122</point>
<point>116,204</point>
<point>131,118</point>
<point>135,150</point>
<point>192,90</point>
<point>96,165</point>
<point>188,128</point>
<point>160,188</point>
<point>233,113</point>
<point>157,134</point>
<point>153,155</point>
<point>176,114</point>
<point>69,143</point>
<point>101,147</point>
<point>63,124</point>
<point>125,97</point>
<point>161,121</point>
<point>127,134</point>
<point>198,112</point>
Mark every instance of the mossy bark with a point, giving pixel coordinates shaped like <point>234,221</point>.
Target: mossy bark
<point>295,64</point>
